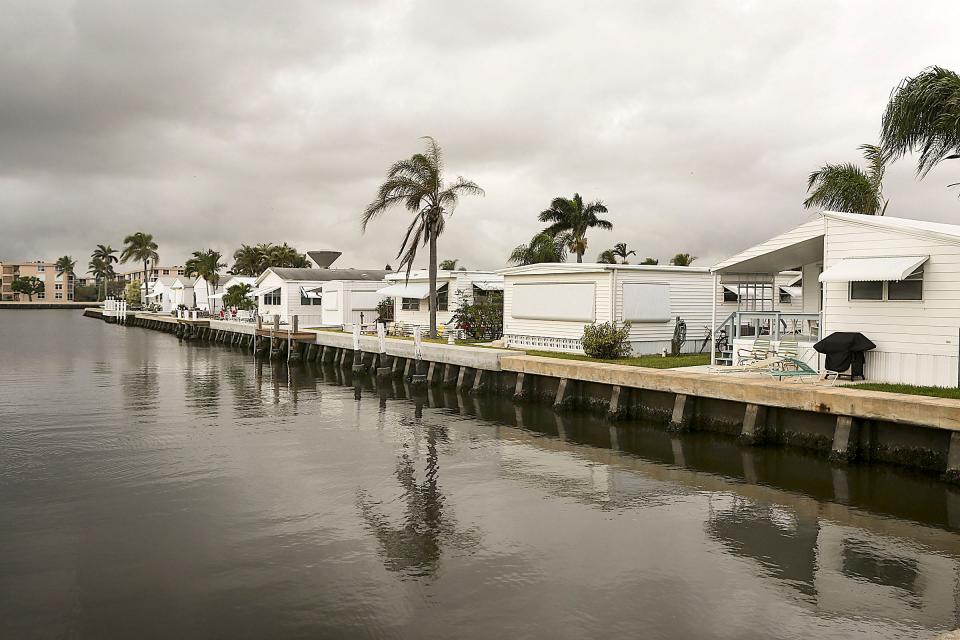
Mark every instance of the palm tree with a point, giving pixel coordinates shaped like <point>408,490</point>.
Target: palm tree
<point>543,247</point>
<point>246,261</point>
<point>206,265</point>
<point>238,296</point>
<point>619,251</point>
<point>65,264</point>
<point>106,254</point>
<point>448,265</point>
<point>650,261</point>
<point>924,114</point>
<point>573,218</point>
<point>847,187</point>
<point>283,255</point>
<point>417,183</point>
<point>101,271</point>
<point>682,260</point>
<point>141,248</point>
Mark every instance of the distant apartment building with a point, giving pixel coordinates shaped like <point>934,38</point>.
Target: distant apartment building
<point>136,273</point>
<point>57,286</point>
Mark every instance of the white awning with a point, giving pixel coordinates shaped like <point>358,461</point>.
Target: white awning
<point>872,269</point>
<point>216,296</point>
<point>416,291</point>
<point>489,285</point>
<point>262,291</point>
<point>750,291</point>
<point>153,295</point>
<point>794,292</point>
<point>313,294</point>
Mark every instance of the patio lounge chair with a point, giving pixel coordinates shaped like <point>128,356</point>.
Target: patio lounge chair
<point>758,366</point>
<point>759,351</point>
<point>793,368</point>
<point>788,349</point>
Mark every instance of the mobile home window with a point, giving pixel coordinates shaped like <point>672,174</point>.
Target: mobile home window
<point>307,302</point>
<point>872,290</point>
<point>443,297</point>
<point>785,298</point>
<point>730,296</point>
<point>410,304</point>
<point>272,298</point>
<point>909,289</point>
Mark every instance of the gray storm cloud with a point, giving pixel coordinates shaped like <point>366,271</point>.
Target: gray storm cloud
<point>210,124</point>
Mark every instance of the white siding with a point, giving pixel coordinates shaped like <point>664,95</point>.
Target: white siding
<point>917,341</point>
<point>352,298</point>
<point>554,335</point>
<point>459,282</point>
<point>689,299</point>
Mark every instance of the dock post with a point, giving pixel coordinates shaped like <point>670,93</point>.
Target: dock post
<point>397,368</point>
<point>359,367</point>
<point>480,382</point>
<point>293,350</point>
<point>952,473</point>
<point>450,372</point>
<point>408,369</point>
<point>520,388</point>
<point>682,415</point>
<point>618,403</point>
<point>462,377</point>
<point>564,398</point>
<point>432,371</point>
<point>343,356</point>
<point>844,440</point>
<point>754,424</point>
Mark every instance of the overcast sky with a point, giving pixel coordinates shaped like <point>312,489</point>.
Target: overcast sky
<point>214,123</point>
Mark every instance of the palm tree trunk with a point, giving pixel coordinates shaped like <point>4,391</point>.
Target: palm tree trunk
<point>433,284</point>
<point>579,256</point>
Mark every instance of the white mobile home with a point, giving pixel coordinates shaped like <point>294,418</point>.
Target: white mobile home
<point>895,280</point>
<point>349,301</point>
<point>288,292</point>
<point>160,293</point>
<point>182,292</point>
<point>411,303</point>
<point>546,306</point>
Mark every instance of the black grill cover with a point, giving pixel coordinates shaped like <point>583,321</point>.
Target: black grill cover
<point>843,349</point>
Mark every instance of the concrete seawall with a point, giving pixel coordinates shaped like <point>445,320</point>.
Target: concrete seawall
<point>841,423</point>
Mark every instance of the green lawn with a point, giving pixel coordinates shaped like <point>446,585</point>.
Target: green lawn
<point>914,390</point>
<point>653,362</point>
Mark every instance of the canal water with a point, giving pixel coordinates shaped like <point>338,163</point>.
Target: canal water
<point>156,489</point>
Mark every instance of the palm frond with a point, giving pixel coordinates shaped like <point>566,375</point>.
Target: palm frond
<point>923,114</point>
<point>843,187</point>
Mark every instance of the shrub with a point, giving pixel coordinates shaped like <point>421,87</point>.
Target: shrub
<point>606,341</point>
<point>481,319</point>
<point>385,310</point>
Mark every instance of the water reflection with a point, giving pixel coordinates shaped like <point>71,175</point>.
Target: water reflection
<point>781,541</point>
<point>412,542</point>
<point>261,500</point>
